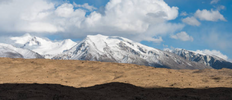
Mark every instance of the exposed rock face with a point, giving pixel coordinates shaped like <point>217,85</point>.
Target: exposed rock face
<point>213,61</point>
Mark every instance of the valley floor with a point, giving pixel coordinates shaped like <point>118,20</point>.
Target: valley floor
<point>16,73</point>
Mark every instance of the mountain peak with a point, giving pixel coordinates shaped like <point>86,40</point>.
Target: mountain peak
<point>22,39</point>
<point>41,45</point>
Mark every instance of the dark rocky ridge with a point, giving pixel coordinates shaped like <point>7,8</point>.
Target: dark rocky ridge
<point>110,91</point>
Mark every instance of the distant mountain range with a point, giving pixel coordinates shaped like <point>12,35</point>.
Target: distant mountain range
<point>108,49</point>
<point>43,46</point>
<point>10,51</point>
<point>213,61</point>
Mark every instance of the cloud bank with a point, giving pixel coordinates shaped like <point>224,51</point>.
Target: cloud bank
<point>140,20</point>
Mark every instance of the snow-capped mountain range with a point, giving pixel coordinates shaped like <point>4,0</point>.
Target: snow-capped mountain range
<point>110,49</point>
<point>208,60</point>
<point>43,46</point>
<point>10,51</point>
<point>122,50</point>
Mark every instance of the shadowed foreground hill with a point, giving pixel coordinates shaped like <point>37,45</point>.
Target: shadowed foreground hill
<point>110,91</point>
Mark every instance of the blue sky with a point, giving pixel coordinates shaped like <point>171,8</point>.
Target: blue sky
<point>207,29</point>
<point>203,25</point>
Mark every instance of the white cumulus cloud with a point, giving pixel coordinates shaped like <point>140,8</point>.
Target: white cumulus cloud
<point>183,36</point>
<point>65,10</point>
<point>140,20</point>
<point>212,53</point>
<point>19,15</point>
<point>191,21</point>
<point>213,15</point>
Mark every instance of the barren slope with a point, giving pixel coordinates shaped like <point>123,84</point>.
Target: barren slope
<point>89,73</point>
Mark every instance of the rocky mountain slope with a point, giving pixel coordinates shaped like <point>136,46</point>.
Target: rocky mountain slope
<point>213,61</point>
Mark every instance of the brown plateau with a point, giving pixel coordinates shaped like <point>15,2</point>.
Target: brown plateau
<point>132,81</point>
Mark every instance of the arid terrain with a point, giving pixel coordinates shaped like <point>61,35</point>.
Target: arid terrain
<point>67,79</point>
